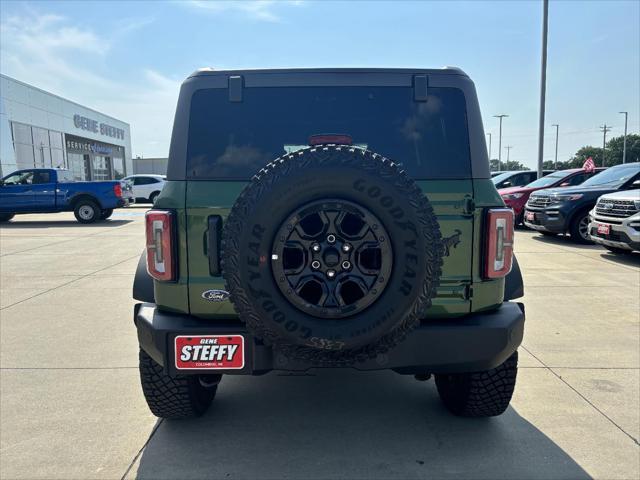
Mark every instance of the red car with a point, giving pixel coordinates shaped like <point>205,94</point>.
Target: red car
<point>516,197</point>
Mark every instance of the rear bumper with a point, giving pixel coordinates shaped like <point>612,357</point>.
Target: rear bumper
<point>474,343</point>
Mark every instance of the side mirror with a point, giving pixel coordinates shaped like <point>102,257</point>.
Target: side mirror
<point>636,183</point>
<point>506,183</point>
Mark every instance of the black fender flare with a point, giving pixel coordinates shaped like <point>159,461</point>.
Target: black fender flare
<point>513,284</point>
<point>143,282</point>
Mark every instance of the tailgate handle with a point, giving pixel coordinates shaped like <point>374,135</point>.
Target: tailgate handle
<point>214,236</point>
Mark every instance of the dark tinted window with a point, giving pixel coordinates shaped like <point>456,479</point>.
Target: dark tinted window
<point>144,180</point>
<point>578,179</point>
<point>41,177</point>
<point>235,139</point>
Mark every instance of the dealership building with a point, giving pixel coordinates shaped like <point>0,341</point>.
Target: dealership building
<point>41,130</point>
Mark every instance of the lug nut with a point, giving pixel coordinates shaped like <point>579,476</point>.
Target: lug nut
<point>315,264</point>
<point>331,238</point>
<point>315,247</point>
<point>346,265</point>
<point>331,273</point>
<point>346,248</point>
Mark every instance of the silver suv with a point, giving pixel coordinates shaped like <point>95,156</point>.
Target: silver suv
<point>615,221</point>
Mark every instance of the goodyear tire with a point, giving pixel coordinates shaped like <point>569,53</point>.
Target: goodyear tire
<point>372,216</point>
<point>479,394</point>
<point>182,396</point>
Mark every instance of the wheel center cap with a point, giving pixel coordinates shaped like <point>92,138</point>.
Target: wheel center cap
<point>331,257</point>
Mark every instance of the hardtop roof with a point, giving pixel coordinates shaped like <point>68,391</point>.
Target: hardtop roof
<point>428,71</point>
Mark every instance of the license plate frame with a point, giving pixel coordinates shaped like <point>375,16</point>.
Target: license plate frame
<point>604,229</point>
<point>216,352</point>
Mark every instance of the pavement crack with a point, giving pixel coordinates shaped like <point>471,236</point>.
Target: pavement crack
<point>153,432</point>
<point>635,440</point>
<point>69,282</point>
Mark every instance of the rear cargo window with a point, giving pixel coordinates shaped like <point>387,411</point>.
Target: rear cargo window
<point>233,140</point>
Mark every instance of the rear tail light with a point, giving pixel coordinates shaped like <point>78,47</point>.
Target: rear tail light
<point>499,242</point>
<point>161,261</point>
<point>117,189</point>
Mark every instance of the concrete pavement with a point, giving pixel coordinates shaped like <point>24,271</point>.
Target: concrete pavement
<point>71,405</point>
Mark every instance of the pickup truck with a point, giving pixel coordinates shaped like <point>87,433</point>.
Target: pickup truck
<point>49,190</point>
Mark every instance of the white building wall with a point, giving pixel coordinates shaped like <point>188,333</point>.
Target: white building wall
<point>24,103</point>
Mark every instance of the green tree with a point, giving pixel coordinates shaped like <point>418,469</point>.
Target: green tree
<point>615,146</point>
<point>510,165</point>
<point>585,152</point>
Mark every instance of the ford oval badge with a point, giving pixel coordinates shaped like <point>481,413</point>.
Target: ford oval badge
<point>215,295</point>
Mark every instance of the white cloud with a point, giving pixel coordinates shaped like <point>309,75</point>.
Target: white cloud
<point>51,53</point>
<point>263,10</point>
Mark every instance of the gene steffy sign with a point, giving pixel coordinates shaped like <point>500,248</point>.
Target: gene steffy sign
<point>93,126</point>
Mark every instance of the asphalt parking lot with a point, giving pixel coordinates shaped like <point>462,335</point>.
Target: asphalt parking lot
<point>71,405</point>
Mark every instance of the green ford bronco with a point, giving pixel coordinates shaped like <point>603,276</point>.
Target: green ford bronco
<point>328,218</point>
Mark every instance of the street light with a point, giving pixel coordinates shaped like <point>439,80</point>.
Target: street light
<point>543,83</point>
<point>557,128</point>
<point>624,142</point>
<point>489,147</point>
<point>501,116</point>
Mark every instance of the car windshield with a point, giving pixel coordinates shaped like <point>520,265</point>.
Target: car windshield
<point>503,176</point>
<point>548,180</point>
<point>233,140</point>
<point>613,177</point>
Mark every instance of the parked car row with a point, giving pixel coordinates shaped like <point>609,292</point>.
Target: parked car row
<point>601,205</point>
<point>51,190</point>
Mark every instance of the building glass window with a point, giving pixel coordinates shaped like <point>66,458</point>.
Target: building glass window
<point>24,156</point>
<point>40,137</point>
<point>118,168</point>
<point>37,147</point>
<point>22,133</point>
<point>76,166</point>
<point>57,158</point>
<point>55,139</point>
<point>101,167</point>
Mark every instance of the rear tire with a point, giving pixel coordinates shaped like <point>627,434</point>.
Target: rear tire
<point>5,217</point>
<point>479,394</point>
<point>182,396</point>
<point>579,228</point>
<point>106,213</point>
<point>87,211</point>
<point>619,251</point>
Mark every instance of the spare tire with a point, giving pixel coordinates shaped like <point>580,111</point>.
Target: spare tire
<point>331,253</point>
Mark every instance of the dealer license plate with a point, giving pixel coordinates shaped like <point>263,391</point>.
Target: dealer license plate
<point>604,229</point>
<point>530,216</point>
<point>209,352</point>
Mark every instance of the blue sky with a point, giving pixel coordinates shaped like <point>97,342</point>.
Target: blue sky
<point>128,59</point>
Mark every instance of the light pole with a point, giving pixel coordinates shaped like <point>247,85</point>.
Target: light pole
<point>604,130</point>
<point>624,141</point>
<point>543,84</point>
<point>557,128</point>
<point>501,116</point>
<point>489,148</point>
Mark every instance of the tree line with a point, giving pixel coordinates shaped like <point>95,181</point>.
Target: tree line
<point>612,156</point>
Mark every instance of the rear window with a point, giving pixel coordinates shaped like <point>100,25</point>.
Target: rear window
<point>233,140</point>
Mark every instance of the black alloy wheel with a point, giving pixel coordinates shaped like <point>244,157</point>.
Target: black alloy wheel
<point>332,258</point>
